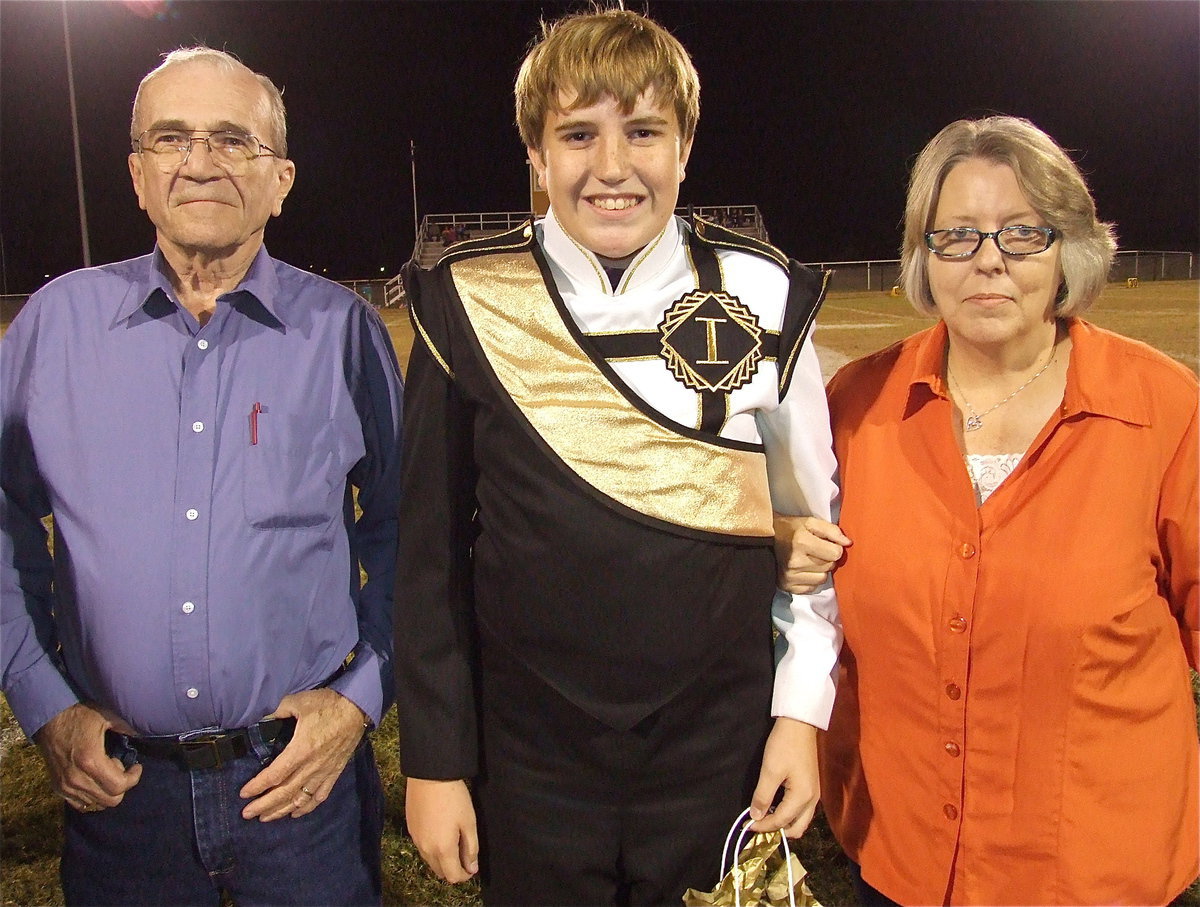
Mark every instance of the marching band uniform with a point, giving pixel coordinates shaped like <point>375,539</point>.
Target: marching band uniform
<point>585,563</point>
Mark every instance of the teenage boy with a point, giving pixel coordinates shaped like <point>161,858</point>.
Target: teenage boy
<point>602,408</point>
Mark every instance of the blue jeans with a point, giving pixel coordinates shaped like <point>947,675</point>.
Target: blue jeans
<point>178,838</point>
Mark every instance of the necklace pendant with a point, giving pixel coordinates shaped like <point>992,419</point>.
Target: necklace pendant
<point>973,423</point>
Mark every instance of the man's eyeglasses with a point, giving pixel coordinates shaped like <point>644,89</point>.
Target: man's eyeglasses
<point>231,151</point>
<point>963,242</point>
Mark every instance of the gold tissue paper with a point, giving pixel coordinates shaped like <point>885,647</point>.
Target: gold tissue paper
<point>758,879</point>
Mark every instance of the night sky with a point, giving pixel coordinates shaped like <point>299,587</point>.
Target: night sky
<point>811,110</point>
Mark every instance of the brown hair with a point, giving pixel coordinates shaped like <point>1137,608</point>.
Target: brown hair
<point>604,52</point>
<point>1047,177</point>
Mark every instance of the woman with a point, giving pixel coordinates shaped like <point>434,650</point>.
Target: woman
<point>1014,722</point>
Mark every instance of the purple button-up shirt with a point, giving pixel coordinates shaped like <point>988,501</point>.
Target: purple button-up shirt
<point>206,553</point>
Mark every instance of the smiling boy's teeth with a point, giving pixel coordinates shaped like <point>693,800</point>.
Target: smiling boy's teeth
<point>614,204</point>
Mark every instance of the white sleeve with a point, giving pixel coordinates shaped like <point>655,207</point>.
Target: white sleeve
<point>803,478</point>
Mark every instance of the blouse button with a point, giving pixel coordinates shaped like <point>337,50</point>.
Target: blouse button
<point>953,691</point>
<point>958,624</point>
<point>966,550</point>
<point>950,811</point>
<point>952,748</point>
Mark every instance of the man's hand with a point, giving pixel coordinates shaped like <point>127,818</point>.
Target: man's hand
<point>790,761</point>
<point>806,550</point>
<point>81,772</point>
<point>328,729</point>
<point>441,821</point>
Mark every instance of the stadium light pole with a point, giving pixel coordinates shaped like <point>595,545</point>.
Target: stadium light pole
<point>83,227</point>
<point>412,157</point>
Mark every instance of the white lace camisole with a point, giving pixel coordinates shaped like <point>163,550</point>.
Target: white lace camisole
<point>987,471</point>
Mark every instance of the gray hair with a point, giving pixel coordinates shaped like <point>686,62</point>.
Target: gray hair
<point>1047,177</point>
<point>276,115</point>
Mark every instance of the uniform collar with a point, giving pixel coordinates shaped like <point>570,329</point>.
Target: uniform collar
<point>1094,385</point>
<point>583,268</point>
<point>260,283</point>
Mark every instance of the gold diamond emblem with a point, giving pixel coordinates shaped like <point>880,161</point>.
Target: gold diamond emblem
<point>711,341</point>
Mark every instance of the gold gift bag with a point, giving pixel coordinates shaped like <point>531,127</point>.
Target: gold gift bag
<point>765,873</point>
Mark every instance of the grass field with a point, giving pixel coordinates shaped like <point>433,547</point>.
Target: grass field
<point>1163,314</point>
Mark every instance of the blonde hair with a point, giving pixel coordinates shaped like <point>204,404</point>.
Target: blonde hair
<point>1047,177</point>
<point>226,62</point>
<point>604,52</point>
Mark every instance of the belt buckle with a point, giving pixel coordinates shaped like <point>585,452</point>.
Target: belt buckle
<point>199,744</point>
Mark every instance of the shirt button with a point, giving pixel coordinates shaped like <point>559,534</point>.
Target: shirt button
<point>958,624</point>
<point>188,608</point>
<point>951,811</point>
<point>966,550</point>
<point>192,693</point>
<point>197,427</point>
<point>203,344</point>
<point>953,691</point>
<point>192,514</point>
<point>952,748</point>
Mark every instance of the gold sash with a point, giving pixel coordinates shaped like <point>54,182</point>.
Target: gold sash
<point>589,424</point>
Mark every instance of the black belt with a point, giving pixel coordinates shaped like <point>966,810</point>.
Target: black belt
<point>213,750</point>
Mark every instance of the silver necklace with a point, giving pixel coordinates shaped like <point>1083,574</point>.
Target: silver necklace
<point>974,420</point>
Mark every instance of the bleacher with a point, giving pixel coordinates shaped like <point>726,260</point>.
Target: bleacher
<point>431,243</point>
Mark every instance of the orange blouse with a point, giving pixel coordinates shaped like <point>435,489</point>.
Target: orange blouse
<point>1014,720</point>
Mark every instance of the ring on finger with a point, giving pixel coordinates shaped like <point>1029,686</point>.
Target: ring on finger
<point>306,790</point>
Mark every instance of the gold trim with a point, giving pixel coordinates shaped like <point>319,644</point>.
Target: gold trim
<point>641,259</point>
<point>477,247</point>
<point>763,250</point>
<point>412,313</point>
<point>787,369</point>
<point>590,425</point>
<point>687,251</point>
<point>604,282</point>
<point>645,331</point>
<point>732,239</point>
<point>700,410</point>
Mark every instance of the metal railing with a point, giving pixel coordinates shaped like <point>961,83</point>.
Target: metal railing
<point>1149,265</point>
<point>879,274</point>
<point>441,230</point>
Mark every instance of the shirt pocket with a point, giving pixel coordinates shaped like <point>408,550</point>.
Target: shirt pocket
<point>287,482</point>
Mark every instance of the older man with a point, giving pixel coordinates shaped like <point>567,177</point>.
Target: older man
<point>197,661</point>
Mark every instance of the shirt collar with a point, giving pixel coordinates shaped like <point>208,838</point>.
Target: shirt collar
<point>260,282</point>
<point>1093,385</point>
<point>926,380</point>
<point>1098,379</point>
<point>583,269</point>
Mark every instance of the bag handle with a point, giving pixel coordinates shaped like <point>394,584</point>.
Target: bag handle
<point>744,822</point>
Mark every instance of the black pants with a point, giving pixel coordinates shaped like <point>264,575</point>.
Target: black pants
<point>866,894</point>
<point>572,811</point>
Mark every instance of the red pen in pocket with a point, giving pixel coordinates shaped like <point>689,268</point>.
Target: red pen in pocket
<point>254,411</point>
